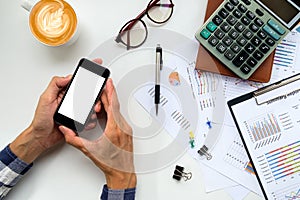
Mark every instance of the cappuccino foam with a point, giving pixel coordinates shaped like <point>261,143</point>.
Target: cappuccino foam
<point>53,22</point>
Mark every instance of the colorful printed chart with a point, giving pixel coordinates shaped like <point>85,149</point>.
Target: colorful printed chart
<point>282,162</point>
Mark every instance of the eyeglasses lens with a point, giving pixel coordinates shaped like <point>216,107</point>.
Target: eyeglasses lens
<point>161,11</point>
<point>134,33</point>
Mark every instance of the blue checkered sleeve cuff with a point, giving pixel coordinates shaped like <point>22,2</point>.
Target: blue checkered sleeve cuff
<point>109,194</point>
<point>12,170</point>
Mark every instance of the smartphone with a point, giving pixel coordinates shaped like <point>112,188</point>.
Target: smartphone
<point>81,95</point>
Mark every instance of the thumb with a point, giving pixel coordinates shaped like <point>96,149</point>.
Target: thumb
<point>56,85</point>
<point>72,139</point>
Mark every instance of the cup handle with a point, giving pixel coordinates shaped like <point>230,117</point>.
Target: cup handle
<point>27,4</point>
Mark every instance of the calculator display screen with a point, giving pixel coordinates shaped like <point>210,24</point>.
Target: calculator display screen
<point>286,10</point>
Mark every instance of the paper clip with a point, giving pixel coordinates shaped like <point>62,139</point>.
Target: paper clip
<point>178,174</point>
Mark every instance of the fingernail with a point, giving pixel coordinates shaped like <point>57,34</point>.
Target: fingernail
<point>61,128</point>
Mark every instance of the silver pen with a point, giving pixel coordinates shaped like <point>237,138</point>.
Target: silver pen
<point>158,67</point>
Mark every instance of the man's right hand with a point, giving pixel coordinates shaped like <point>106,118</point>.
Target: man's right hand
<point>112,152</point>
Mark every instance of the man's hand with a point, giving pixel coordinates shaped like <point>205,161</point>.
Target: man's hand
<point>42,133</point>
<point>113,151</point>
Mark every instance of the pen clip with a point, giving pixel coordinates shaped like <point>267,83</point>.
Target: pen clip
<point>159,50</point>
<point>161,60</point>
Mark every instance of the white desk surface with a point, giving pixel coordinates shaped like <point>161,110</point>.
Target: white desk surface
<point>26,69</point>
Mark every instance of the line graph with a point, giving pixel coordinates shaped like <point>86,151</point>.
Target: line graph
<point>288,193</point>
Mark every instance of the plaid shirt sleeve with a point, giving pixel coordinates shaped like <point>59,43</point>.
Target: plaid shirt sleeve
<point>108,194</point>
<point>12,169</point>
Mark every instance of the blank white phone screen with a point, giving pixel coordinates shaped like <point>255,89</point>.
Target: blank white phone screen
<point>81,95</point>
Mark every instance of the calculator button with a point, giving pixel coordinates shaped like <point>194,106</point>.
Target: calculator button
<point>262,34</point>
<point>237,13</point>
<point>253,27</point>
<point>219,34</point>
<point>233,34</point>
<point>264,48</point>
<point>249,48</point>
<point>259,12</point>
<point>248,34</point>
<point>205,33</point>
<point>217,20</point>
<point>240,58</point>
<point>211,26</point>
<point>239,27</point>
<point>258,22</point>
<point>221,48</point>
<point>250,15</point>
<point>242,8</point>
<point>223,13</point>
<point>227,41</point>
<point>229,54</point>
<point>234,2</point>
<point>242,41</point>
<point>255,41</point>
<point>270,42</point>
<point>245,21</point>
<point>245,69</point>
<point>225,27</point>
<point>271,32</point>
<point>276,27</point>
<point>229,6</point>
<point>213,40</point>
<point>257,55</point>
<point>251,62</point>
<point>247,2</point>
<point>235,48</point>
<point>231,20</point>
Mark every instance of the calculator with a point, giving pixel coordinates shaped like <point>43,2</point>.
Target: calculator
<point>243,33</point>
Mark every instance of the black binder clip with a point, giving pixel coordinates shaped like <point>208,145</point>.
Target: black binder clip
<point>203,151</point>
<point>178,174</point>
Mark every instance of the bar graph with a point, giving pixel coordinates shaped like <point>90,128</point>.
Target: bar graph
<point>162,99</point>
<point>234,87</point>
<point>249,168</point>
<point>285,54</point>
<point>181,120</point>
<point>206,85</point>
<point>281,163</point>
<point>208,102</point>
<point>237,156</point>
<point>263,127</point>
<point>284,161</point>
<point>206,82</point>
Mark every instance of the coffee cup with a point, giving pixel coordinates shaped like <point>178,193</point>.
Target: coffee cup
<point>52,22</point>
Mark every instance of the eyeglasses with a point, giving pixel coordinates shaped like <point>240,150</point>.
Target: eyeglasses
<point>134,33</point>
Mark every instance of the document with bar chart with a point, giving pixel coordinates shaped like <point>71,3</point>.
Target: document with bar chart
<point>287,52</point>
<point>269,124</point>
